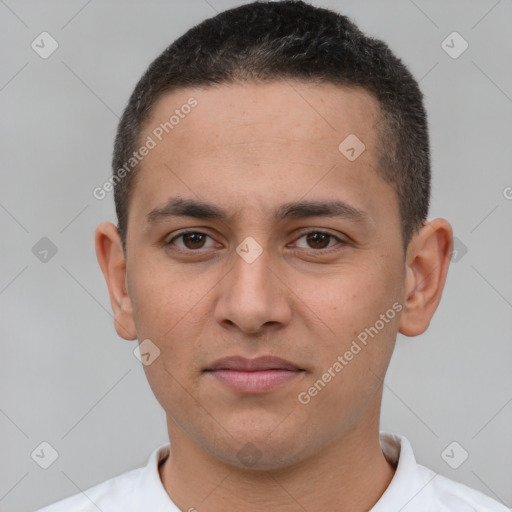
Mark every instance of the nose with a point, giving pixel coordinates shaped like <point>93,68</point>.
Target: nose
<point>253,296</point>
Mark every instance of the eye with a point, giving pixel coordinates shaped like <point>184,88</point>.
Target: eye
<point>192,240</point>
<point>319,240</point>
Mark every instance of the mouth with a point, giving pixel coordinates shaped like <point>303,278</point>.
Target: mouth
<point>253,376</point>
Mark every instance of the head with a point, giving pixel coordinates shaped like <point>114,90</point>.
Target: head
<point>298,163</point>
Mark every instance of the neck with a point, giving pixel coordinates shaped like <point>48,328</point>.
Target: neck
<point>351,474</point>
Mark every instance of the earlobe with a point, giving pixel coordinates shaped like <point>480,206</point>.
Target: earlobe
<point>427,262</point>
<point>109,252</point>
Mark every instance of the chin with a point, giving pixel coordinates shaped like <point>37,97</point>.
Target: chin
<point>260,450</point>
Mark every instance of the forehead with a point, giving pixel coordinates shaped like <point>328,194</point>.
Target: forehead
<point>247,143</point>
<point>283,112</point>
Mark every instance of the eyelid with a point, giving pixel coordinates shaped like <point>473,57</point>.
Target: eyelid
<point>325,231</point>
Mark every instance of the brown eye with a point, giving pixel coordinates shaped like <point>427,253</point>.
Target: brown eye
<point>318,240</point>
<point>191,240</point>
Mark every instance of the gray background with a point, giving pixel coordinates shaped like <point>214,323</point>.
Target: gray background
<point>65,375</point>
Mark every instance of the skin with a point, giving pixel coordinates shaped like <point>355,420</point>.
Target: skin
<point>249,148</point>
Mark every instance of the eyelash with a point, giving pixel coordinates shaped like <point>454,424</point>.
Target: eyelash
<point>315,231</point>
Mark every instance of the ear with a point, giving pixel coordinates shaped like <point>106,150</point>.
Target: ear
<point>427,261</point>
<point>109,251</point>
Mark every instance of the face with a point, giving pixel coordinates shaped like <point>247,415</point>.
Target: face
<point>304,284</point>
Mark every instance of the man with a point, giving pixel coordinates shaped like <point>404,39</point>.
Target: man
<point>272,183</point>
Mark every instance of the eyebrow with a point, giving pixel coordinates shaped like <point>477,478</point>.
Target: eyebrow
<point>181,207</point>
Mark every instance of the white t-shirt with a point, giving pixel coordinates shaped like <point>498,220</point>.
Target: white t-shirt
<point>414,488</point>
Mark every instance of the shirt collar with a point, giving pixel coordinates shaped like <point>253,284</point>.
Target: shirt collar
<point>153,497</point>
<point>407,481</point>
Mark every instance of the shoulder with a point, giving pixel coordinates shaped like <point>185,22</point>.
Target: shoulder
<point>448,495</point>
<point>415,488</point>
<point>112,495</point>
<point>133,491</point>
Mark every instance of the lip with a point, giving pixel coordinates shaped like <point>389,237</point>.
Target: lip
<point>252,365</point>
<point>253,376</point>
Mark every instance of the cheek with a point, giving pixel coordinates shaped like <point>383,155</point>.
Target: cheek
<point>171,310</point>
<point>361,310</point>
<point>167,312</point>
<point>160,298</point>
<point>351,299</point>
